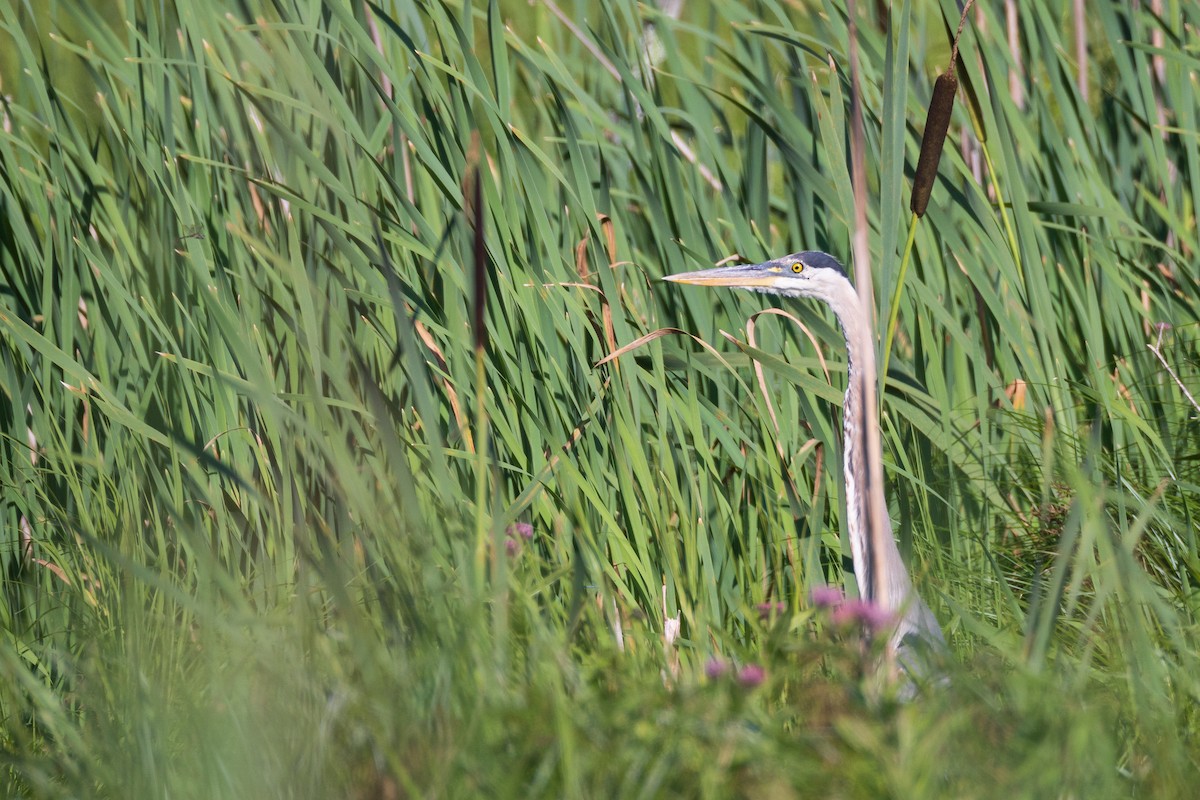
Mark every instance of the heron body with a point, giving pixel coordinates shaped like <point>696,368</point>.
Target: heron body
<point>882,578</point>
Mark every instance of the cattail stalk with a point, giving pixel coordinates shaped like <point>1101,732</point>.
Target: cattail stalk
<point>473,214</point>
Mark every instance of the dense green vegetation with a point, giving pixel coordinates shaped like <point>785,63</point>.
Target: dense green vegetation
<point>274,526</point>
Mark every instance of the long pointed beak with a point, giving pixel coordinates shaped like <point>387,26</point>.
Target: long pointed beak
<point>742,276</point>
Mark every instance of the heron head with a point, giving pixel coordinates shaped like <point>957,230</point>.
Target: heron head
<point>810,273</point>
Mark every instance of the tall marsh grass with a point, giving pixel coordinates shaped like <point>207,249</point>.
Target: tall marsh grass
<point>282,519</point>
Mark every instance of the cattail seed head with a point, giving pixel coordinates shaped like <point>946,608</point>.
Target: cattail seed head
<point>937,123</point>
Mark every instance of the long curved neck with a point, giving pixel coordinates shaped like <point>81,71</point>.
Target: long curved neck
<point>881,575</point>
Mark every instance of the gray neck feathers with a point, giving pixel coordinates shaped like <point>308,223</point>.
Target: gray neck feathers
<point>860,356</point>
<point>886,584</point>
<point>881,574</point>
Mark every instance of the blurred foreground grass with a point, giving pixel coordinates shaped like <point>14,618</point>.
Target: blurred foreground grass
<point>268,535</point>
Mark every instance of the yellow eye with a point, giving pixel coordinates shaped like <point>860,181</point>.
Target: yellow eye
<point>797,267</point>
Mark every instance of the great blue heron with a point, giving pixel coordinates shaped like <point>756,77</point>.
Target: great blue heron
<point>914,635</point>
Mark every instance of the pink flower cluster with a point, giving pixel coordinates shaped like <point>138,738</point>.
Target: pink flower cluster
<point>846,612</point>
<point>748,677</point>
<point>768,610</point>
<point>513,535</point>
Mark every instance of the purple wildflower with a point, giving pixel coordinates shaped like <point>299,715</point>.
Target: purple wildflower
<point>872,616</point>
<point>767,610</point>
<point>522,529</point>
<point>751,675</point>
<point>716,668</point>
<point>511,546</point>
<point>877,618</point>
<point>827,597</point>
